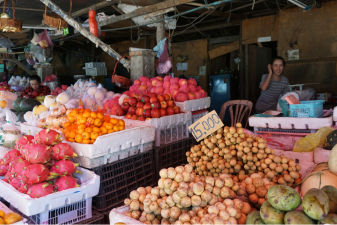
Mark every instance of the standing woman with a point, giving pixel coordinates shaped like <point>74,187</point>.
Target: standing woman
<point>272,86</point>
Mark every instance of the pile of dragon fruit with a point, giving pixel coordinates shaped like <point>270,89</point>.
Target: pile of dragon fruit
<point>40,165</point>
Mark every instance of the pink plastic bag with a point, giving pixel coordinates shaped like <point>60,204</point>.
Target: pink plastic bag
<point>164,62</point>
<point>44,40</point>
<point>50,78</point>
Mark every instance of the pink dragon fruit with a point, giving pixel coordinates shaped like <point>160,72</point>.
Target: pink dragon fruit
<point>8,177</point>
<point>48,137</point>
<point>27,139</point>
<point>37,173</point>
<point>20,166</point>
<point>14,162</point>
<point>11,155</point>
<point>40,190</point>
<point>3,167</point>
<point>15,183</point>
<point>37,153</point>
<point>65,183</point>
<point>63,151</point>
<point>23,188</point>
<point>65,168</point>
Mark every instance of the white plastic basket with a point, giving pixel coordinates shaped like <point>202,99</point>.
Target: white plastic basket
<point>94,64</point>
<point>197,116</point>
<point>32,206</point>
<point>115,142</point>
<point>173,134</point>
<point>96,71</point>
<point>194,105</point>
<point>69,214</point>
<point>117,216</point>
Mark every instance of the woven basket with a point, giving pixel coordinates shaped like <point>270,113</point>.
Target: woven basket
<point>54,20</point>
<point>8,24</point>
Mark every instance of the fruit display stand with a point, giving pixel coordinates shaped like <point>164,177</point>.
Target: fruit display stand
<point>194,105</point>
<point>168,129</point>
<point>6,210</point>
<point>68,206</point>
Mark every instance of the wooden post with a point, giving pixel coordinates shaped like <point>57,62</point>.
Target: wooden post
<point>246,71</point>
<point>160,29</point>
<point>86,33</point>
<point>242,66</point>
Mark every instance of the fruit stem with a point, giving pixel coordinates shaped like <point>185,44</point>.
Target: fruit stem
<point>77,171</point>
<point>75,155</point>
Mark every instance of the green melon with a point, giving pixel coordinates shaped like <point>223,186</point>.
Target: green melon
<point>28,104</point>
<point>21,118</point>
<point>331,140</point>
<point>16,104</point>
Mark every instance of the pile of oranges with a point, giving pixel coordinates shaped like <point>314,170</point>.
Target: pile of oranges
<point>84,126</point>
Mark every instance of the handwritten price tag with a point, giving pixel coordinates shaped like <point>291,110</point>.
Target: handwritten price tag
<point>206,125</point>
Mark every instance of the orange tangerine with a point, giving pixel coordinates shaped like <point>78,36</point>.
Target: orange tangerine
<point>82,120</point>
<point>107,119</point>
<point>104,130</point>
<point>109,126</point>
<point>110,131</point>
<point>113,121</point>
<point>96,129</point>
<point>98,122</point>
<point>87,110</point>
<point>71,139</point>
<point>67,124</point>
<point>92,141</point>
<point>121,128</point>
<point>71,118</point>
<point>81,126</point>
<point>86,114</point>
<point>99,115</point>
<point>121,122</point>
<point>80,131</point>
<point>72,134</point>
<point>86,141</point>
<point>78,138</point>
<point>93,135</point>
<point>85,135</point>
<point>93,115</point>
<point>116,128</point>
<point>88,130</point>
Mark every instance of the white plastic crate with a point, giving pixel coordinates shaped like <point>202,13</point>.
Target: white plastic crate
<point>6,210</point>
<point>298,157</point>
<point>96,71</point>
<point>32,206</point>
<point>115,142</point>
<point>169,135</point>
<point>117,216</point>
<point>290,122</point>
<point>194,105</point>
<point>69,214</point>
<point>195,117</point>
<point>113,157</point>
<point>94,64</point>
<point>26,129</point>
<point>321,155</point>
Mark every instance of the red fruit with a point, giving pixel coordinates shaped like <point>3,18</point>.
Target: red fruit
<point>174,80</point>
<point>171,103</point>
<point>155,105</point>
<point>147,113</point>
<point>23,187</point>
<point>147,106</point>
<point>154,81</point>
<point>27,139</point>
<point>155,113</point>
<point>161,98</point>
<point>63,151</point>
<point>198,94</point>
<point>191,95</point>
<point>127,116</point>
<point>40,190</point>
<point>14,162</point>
<point>198,88</point>
<point>163,104</point>
<point>35,93</point>
<point>174,93</point>
<point>8,177</point>
<point>139,111</point>
<point>184,89</point>
<point>176,109</point>
<point>170,111</point>
<point>166,91</point>
<point>65,168</point>
<point>152,95</point>
<point>11,155</point>
<point>37,173</point>
<point>162,112</point>
<point>181,97</point>
<point>137,82</point>
<point>141,118</point>
<point>159,90</point>
<point>160,78</point>
<point>133,101</point>
<point>159,83</point>
<point>174,87</point>
<point>140,105</point>
<point>153,99</point>
<point>3,167</point>
<point>20,166</point>
<point>167,78</point>
<point>37,153</point>
<point>167,97</point>
<point>65,183</point>
<point>134,117</point>
<point>132,110</point>
<point>106,104</point>
<point>192,81</point>
<point>182,82</point>
<point>15,183</point>
<point>120,112</point>
<point>145,99</point>
<point>48,137</point>
<point>191,87</point>
<point>125,106</point>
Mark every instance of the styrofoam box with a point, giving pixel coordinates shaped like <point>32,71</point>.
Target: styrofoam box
<point>115,142</point>
<point>113,157</point>
<point>162,122</point>
<point>117,216</point>
<point>6,210</point>
<point>321,155</point>
<point>3,151</point>
<point>298,157</point>
<point>194,105</point>
<point>32,206</point>
<point>94,64</point>
<point>96,71</point>
<point>290,122</point>
<point>26,129</point>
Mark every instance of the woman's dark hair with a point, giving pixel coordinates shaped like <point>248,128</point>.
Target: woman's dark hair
<point>276,58</point>
<point>35,77</point>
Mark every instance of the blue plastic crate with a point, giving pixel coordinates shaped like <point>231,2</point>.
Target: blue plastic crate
<point>307,109</point>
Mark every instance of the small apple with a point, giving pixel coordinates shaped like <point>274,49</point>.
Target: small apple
<point>132,110</point>
<point>162,112</point>
<point>161,98</point>
<point>171,103</point>
<point>126,100</point>
<point>176,109</point>
<point>141,118</point>
<point>153,95</point>
<point>163,104</point>
<point>133,101</point>
<point>155,113</point>
<point>127,116</point>
<point>120,112</point>
<point>167,97</point>
<point>154,99</point>
<point>145,99</point>
<point>139,111</point>
<point>147,113</point>
<point>125,106</point>
<point>155,105</point>
<point>139,105</point>
<point>134,117</point>
<point>147,106</point>
<point>170,111</point>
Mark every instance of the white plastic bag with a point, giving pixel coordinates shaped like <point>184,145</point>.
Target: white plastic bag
<point>9,133</point>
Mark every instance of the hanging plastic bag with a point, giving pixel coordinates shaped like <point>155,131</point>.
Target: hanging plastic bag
<point>93,24</point>
<point>164,62</point>
<point>312,141</point>
<point>9,133</point>
<point>44,40</point>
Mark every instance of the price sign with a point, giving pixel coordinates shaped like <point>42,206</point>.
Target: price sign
<point>205,125</point>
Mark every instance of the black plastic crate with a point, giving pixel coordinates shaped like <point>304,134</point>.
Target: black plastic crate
<point>118,179</point>
<point>173,154</point>
<point>97,218</point>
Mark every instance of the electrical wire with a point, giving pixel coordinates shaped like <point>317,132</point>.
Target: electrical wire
<point>285,8</point>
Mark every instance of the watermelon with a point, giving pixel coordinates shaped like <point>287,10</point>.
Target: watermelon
<point>28,104</point>
<point>16,104</point>
<point>331,140</point>
<point>21,118</point>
